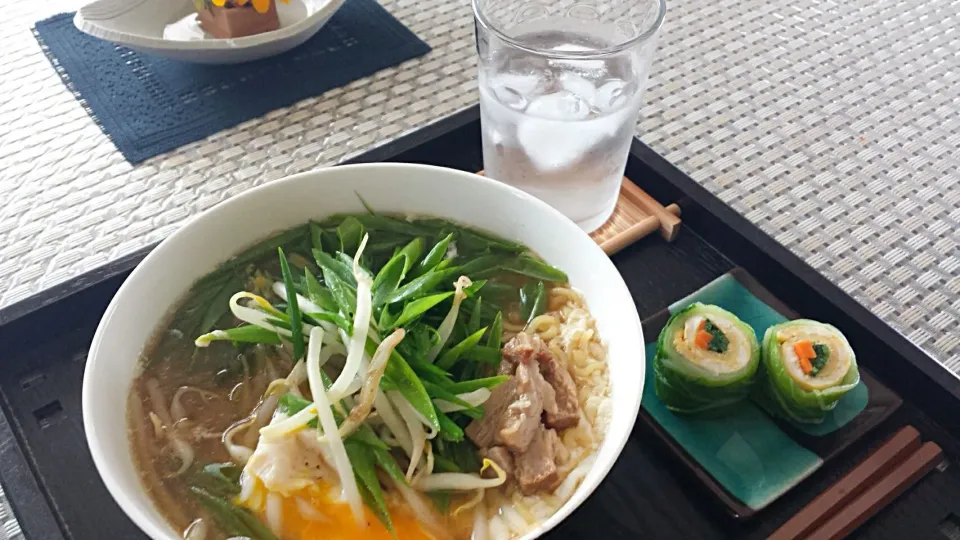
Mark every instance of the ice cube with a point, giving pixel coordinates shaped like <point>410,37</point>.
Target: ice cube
<point>555,132</point>
<point>515,89</point>
<point>611,95</point>
<point>550,147</point>
<point>580,86</point>
<point>562,105</point>
<point>592,68</point>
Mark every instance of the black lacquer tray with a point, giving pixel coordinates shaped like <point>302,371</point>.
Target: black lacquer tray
<point>47,473</point>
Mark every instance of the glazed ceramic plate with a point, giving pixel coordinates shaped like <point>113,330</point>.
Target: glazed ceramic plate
<point>749,457</point>
<point>168,28</point>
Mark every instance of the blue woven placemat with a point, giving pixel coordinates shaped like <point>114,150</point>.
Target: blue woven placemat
<point>149,105</point>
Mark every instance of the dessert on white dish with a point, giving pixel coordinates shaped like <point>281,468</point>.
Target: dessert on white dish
<point>169,28</point>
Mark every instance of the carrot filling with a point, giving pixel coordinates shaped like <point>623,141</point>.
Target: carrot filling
<point>709,337</point>
<point>811,356</point>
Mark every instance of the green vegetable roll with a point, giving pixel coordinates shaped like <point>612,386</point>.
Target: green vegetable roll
<point>809,366</point>
<point>706,359</point>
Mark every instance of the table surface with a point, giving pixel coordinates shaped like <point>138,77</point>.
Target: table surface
<point>833,125</point>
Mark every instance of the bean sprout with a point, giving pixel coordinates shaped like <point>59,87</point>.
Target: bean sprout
<point>361,326</point>
<point>462,481</point>
<point>446,327</point>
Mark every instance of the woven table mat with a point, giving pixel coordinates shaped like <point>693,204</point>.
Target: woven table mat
<point>149,105</point>
<point>832,125</point>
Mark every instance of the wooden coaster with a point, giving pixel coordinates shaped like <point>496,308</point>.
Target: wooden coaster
<point>636,215</point>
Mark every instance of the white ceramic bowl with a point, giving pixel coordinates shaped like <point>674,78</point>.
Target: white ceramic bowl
<point>146,297</point>
<point>167,28</point>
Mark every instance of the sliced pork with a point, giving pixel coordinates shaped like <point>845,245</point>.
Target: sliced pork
<point>548,395</point>
<point>536,469</point>
<point>483,432</point>
<point>561,454</point>
<point>567,411</point>
<point>521,419</point>
<point>563,411</point>
<point>519,429</point>
<point>522,348</point>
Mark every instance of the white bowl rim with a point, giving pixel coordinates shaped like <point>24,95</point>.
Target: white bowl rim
<point>302,26</point>
<point>617,441</point>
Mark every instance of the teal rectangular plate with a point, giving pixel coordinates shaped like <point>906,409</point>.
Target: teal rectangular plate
<point>749,457</point>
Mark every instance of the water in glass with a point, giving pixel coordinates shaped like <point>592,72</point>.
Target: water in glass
<point>560,127</point>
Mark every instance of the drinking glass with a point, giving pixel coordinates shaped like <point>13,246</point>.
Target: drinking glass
<point>561,83</point>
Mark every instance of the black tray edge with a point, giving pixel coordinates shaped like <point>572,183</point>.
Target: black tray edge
<point>30,505</point>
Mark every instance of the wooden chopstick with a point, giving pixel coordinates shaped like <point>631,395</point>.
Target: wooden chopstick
<point>880,494</point>
<point>880,462</point>
<point>861,493</point>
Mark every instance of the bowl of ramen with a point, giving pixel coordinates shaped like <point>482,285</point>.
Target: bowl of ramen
<point>369,351</point>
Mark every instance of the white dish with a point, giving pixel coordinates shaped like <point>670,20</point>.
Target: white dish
<point>146,297</point>
<point>167,28</point>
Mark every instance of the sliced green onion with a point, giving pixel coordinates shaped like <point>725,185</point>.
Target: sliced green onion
<point>328,263</point>
<point>232,518</point>
<point>418,307</point>
<point>323,298</point>
<point>449,430</point>
<point>450,358</point>
<point>293,308</point>
<point>388,464</point>
<point>388,278</point>
<point>434,256</point>
<point>421,285</point>
<point>412,251</point>
<point>350,232</point>
<point>530,267</point>
<point>469,386</point>
<point>362,460</point>
<point>495,337</point>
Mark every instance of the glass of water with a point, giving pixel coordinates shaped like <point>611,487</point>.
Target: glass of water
<point>561,83</point>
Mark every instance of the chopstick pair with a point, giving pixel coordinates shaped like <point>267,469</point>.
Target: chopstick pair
<point>863,492</point>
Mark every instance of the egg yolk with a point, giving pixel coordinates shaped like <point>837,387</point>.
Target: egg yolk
<point>330,519</point>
